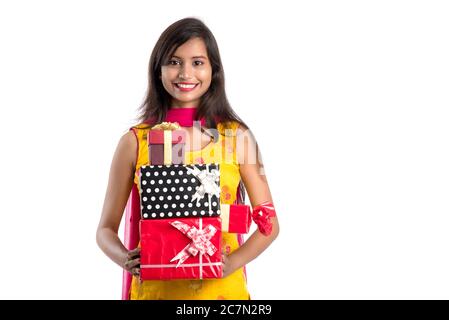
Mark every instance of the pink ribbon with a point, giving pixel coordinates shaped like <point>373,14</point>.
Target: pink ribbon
<point>200,241</point>
<point>261,216</point>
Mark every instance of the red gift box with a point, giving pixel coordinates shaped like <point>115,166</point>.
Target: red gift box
<point>186,248</point>
<point>236,218</point>
<point>166,146</point>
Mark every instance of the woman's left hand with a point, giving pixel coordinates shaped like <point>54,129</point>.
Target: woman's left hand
<point>228,265</point>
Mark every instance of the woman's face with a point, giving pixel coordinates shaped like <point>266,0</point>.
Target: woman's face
<point>188,74</point>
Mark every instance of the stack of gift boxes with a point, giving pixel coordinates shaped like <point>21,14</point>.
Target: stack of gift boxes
<point>182,218</point>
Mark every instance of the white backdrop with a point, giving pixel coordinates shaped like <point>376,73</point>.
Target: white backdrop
<point>347,99</point>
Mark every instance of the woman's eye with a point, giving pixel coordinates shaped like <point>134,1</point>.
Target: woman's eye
<point>198,62</point>
<point>173,62</point>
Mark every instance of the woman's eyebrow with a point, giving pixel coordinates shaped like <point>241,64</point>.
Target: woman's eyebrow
<point>195,57</point>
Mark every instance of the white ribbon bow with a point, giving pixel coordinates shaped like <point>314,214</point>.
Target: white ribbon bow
<point>200,241</point>
<point>208,184</point>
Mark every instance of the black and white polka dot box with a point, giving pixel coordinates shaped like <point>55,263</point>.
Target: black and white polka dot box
<point>180,191</point>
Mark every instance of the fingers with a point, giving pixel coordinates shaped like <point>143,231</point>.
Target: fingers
<point>130,264</point>
<point>224,260</point>
<point>133,253</point>
<point>225,270</point>
<point>135,272</point>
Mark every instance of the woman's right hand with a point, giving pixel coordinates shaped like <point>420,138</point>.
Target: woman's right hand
<point>132,263</point>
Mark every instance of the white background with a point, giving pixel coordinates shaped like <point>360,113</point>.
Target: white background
<point>347,99</point>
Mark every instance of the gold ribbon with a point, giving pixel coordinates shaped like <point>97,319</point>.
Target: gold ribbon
<point>168,127</point>
<point>224,215</point>
<point>167,147</point>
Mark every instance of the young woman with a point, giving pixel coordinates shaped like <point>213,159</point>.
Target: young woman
<point>186,85</point>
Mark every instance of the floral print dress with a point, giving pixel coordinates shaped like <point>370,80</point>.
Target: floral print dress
<point>233,286</point>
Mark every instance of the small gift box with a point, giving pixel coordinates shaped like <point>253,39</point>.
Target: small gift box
<point>188,248</point>
<point>235,218</point>
<point>166,144</point>
<point>174,191</point>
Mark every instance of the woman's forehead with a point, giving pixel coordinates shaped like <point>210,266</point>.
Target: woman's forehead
<point>192,48</point>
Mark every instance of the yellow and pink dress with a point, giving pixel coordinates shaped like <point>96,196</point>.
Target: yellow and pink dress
<point>222,151</point>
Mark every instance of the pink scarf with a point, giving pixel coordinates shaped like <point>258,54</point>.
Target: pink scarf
<point>184,116</point>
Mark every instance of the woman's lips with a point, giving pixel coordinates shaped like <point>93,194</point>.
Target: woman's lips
<point>184,87</point>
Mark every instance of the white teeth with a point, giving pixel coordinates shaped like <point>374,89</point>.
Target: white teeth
<point>187,86</point>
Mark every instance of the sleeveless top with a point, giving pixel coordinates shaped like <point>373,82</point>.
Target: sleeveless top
<point>222,151</point>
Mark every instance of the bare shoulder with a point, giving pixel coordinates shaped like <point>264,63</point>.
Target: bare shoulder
<point>246,146</point>
<point>251,167</point>
<point>129,139</point>
<point>126,151</point>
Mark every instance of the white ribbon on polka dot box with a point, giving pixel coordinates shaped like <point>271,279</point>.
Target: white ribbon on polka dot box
<point>178,190</point>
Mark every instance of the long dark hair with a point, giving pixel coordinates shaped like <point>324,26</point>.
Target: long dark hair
<point>214,105</point>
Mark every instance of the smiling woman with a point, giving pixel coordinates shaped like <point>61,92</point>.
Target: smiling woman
<point>187,54</point>
<point>188,74</point>
<point>186,83</point>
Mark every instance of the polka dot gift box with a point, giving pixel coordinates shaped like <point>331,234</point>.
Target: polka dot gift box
<point>180,230</point>
<point>180,191</point>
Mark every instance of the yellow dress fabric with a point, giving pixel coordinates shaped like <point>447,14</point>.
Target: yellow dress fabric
<point>233,286</point>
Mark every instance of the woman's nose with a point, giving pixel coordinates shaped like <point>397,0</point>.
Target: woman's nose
<point>185,72</point>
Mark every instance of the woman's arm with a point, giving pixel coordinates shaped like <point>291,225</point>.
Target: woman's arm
<point>256,184</point>
<point>121,177</point>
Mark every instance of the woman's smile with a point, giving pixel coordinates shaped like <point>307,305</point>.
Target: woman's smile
<point>185,86</point>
